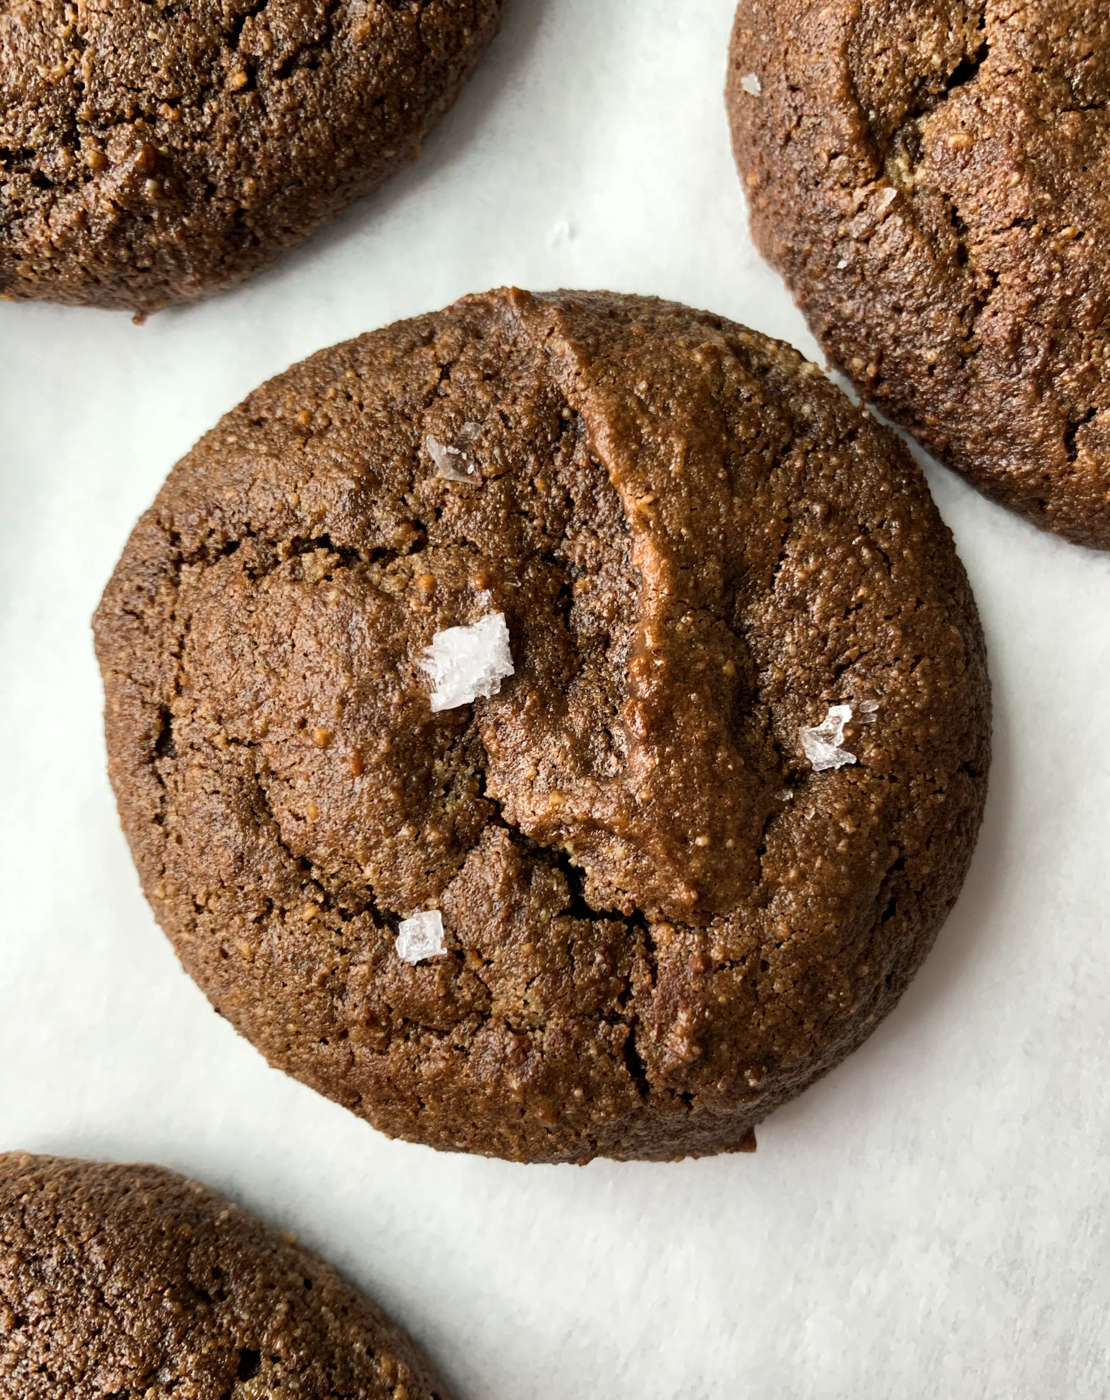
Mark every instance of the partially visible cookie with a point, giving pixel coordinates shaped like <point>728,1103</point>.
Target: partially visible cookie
<point>553,727</point>
<point>154,153</point>
<point>930,177</point>
<point>128,1281</point>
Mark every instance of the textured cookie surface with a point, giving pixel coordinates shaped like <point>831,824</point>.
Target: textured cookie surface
<point>155,152</point>
<point>930,178</point>
<point>121,1281</point>
<point>660,920</point>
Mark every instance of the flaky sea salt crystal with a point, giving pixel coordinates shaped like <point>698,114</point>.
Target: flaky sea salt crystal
<point>824,743</point>
<point>451,462</point>
<point>465,662</point>
<point>751,84</point>
<point>421,937</point>
<point>887,196</point>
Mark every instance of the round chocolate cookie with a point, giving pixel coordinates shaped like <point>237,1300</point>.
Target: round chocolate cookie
<point>930,178</point>
<point>131,1281</point>
<point>155,152</point>
<point>626,899</point>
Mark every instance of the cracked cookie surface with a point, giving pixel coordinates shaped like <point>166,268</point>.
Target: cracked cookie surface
<point>929,177</point>
<point>155,151</point>
<point>128,1280</point>
<point>660,922</point>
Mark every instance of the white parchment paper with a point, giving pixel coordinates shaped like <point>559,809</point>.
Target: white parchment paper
<point>930,1221</point>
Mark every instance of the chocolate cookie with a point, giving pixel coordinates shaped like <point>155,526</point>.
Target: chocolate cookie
<point>155,152</point>
<point>554,727</point>
<point>929,177</point>
<point>130,1280</point>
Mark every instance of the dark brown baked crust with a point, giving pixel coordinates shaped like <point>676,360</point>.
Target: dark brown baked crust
<point>130,1280</point>
<point>661,922</point>
<point>930,179</point>
<point>155,152</point>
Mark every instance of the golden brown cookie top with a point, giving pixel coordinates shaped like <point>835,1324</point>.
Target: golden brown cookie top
<point>660,916</point>
<point>129,1280</point>
<point>929,178</point>
<point>153,153</point>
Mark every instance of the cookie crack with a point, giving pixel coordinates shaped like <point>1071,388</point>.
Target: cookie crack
<point>1071,433</point>
<point>235,30</point>
<point>310,55</point>
<point>900,154</point>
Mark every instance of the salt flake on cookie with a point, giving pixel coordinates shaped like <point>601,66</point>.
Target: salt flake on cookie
<point>451,462</point>
<point>466,662</point>
<point>824,743</point>
<point>421,937</point>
